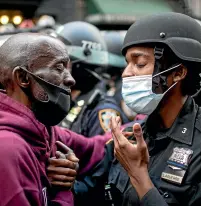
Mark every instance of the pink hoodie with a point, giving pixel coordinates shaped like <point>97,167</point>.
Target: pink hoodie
<point>26,146</point>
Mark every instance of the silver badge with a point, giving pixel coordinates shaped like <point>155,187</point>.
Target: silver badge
<point>181,155</point>
<point>177,165</point>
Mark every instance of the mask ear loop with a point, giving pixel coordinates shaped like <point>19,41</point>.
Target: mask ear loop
<point>167,70</point>
<point>170,88</point>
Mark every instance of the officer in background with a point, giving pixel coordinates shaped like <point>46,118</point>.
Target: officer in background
<point>92,108</point>
<point>114,41</point>
<point>163,167</point>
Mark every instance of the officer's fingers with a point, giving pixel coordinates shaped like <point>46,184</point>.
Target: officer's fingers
<point>62,147</point>
<point>62,163</point>
<point>68,185</point>
<point>114,126</point>
<point>118,120</point>
<point>117,134</point>
<point>63,178</point>
<point>137,130</point>
<point>62,171</point>
<point>127,134</point>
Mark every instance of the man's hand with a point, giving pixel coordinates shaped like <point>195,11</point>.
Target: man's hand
<point>62,169</point>
<point>133,157</point>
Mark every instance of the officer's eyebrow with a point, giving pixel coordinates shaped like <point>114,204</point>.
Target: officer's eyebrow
<point>135,54</point>
<point>138,54</point>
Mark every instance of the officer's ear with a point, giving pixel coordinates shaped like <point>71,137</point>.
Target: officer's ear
<point>180,73</point>
<point>20,77</point>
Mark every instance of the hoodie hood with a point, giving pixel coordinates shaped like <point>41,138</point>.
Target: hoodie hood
<point>17,118</point>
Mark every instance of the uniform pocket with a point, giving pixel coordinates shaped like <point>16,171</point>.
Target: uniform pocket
<point>118,177</point>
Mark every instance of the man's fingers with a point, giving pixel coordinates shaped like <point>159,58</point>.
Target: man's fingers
<point>62,171</point>
<point>63,148</point>
<point>62,163</point>
<point>71,156</point>
<point>63,178</point>
<point>63,184</point>
<point>137,130</point>
<point>60,155</point>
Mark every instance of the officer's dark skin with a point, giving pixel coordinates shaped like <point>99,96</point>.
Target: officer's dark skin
<point>48,59</point>
<point>135,158</point>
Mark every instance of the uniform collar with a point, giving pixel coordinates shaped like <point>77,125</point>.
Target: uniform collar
<point>182,129</point>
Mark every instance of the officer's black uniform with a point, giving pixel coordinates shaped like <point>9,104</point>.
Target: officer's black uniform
<point>179,146</point>
<point>93,108</point>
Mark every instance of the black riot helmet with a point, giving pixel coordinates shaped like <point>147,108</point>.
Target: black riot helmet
<point>87,50</point>
<point>116,62</point>
<point>176,33</point>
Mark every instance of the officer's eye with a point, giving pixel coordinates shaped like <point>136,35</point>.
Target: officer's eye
<point>140,65</point>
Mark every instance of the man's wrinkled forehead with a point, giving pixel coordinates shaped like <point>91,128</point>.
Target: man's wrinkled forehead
<point>50,46</point>
<point>47,51</point>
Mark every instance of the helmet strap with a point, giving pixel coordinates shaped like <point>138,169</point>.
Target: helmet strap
<point>159,83</point>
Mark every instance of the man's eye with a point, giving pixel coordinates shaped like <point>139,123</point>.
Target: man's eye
<point>60,67</point>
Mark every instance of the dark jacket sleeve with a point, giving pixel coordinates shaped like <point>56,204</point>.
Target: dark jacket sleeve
<point>153,198</point>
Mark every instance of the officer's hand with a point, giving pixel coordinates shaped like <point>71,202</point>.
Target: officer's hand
<point>133,157</point>
<point>62,169</point>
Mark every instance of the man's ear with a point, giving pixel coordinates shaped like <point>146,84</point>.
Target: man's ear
<point>180,73</point>
<point>20,77</point>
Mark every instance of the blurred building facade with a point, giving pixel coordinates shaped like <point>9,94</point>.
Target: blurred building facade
<point>106,14</point>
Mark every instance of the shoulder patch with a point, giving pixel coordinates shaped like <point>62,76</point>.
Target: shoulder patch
<point>104,116</point>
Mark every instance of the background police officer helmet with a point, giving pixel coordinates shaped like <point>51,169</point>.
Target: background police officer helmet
<point>114,41</point>
<point>87,50</point>
<point>84,42</point>
<point>116,65</point>
<point>177,35</point>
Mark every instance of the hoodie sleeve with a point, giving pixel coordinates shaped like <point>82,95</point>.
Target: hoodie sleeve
<point>19,177</point>
<point>63,198</point>
<point>90,151</point>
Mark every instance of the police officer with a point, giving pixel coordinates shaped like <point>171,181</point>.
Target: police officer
<point>162,165</point>
<point>173,138</point>
<point>92,108</point>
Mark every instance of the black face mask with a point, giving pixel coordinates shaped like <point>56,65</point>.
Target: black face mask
<point>55,109</point>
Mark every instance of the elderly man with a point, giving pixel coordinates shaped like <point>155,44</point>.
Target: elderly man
<point>37,83</point>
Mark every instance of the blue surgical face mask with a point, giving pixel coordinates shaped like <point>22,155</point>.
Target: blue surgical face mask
<point>138,95</point>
